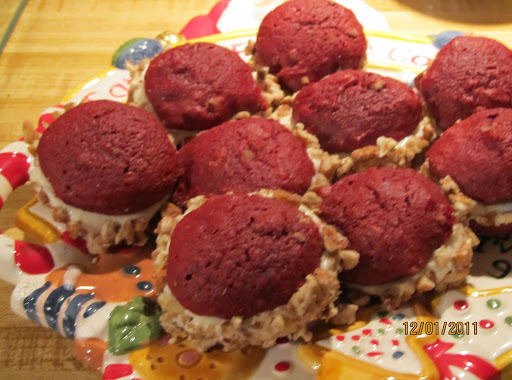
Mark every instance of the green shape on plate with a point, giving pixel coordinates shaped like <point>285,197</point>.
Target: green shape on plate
<point>382,313</point>
<point>493,303</point>
<point>399,330</point>
<point>508,320</point>
<point>458,336</point>
<point>134,325</point>
<point>381,331</point>
<point>356,349</point>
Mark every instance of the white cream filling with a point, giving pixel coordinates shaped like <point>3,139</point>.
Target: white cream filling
<point>316,164</point>
<point>440,264</point>
<point>139,91</point>
<point>201,320</point>
<point>92,220</point>
<point>419,132</point>
<point>498,208</point>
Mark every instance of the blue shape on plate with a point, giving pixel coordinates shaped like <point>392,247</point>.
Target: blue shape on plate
<point>144,285</point>
<point>53,304</point>
<point>74,307</point>
<point>398,316</point>
<point>398,354</point>
<point>30,302</point>
<point>135,51</point>
<point>132,270</point>
<point>444,37</point>
<point>93,308</point>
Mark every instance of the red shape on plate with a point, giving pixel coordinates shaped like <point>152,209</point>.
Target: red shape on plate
<point>443,360</point>
<point>375,342</point>
<point>282,366</point>
<point>395,342</point>
<point>44,120</point>
<point>385,321</point>
<point>32,258</point>
<point>14,167</point>
<point>340,338</point>
<point>367,332</point>
<point>486,324</point>
<point>77,243</point>
<point>205,25</point>
<point>375,353</point>
<point>460,305</point>
<point>116,371</point>
<point>356,337</point>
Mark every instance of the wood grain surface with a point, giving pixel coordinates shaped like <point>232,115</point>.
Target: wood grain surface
<point>58,44</point>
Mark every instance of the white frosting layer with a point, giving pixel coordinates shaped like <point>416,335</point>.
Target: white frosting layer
<point>200,319</point>
<point>139,91</point>
<point>88,218</point>
<point>499,208</point>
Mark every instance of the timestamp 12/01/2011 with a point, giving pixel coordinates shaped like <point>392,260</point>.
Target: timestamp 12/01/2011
<point>444,328</point>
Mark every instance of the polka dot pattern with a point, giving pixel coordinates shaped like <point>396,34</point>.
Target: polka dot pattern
<point>493,303</point>
<point>144,286</point>
<point>460,305</point>
<point>282,366</point>
<point>132,270</point>
<point>398,354</point>
<point>486,324</point>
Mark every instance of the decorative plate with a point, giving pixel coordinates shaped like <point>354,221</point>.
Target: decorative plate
<point>108,308</point>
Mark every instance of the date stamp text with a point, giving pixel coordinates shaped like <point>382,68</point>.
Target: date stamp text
<point>443,328</point>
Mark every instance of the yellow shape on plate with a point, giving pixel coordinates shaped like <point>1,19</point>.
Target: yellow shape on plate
<point>336,366</point>
<point>472,292</point>
<point>503,361</point>
<point>182,362</point>
<point>311,355</point>
<point>35,226</point>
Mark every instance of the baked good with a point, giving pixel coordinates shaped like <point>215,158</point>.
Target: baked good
<point>246,269</point>
<point>404,229</point>
<point>351,109</point>
<point>198,86</point>
<point>244,156</point>
<point>468,74</point>
<point>94,162</point>
<point>301,41</point>
<point>476,154</point>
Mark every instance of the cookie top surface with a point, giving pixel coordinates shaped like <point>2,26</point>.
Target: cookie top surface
<point>468,74</point>
<point>240,255</point>
<point>351,109</point>
<point>394,218</point>
<point>109,158</point>
<point>302,41</point>
<point>198,86</point>
<point>244,156</point>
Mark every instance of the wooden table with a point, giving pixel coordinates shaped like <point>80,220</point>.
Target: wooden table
<point>59,44</point>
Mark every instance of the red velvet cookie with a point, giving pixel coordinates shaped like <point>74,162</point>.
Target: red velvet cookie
<point>351,109</point>
<point>197,86</point>
<point>468,74</point>
<point>302,41</point>
<point>240,255</point>
<point>244,156</point>
<point>109,158</point>
<point>394,218</point>
<point>477,154</point>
